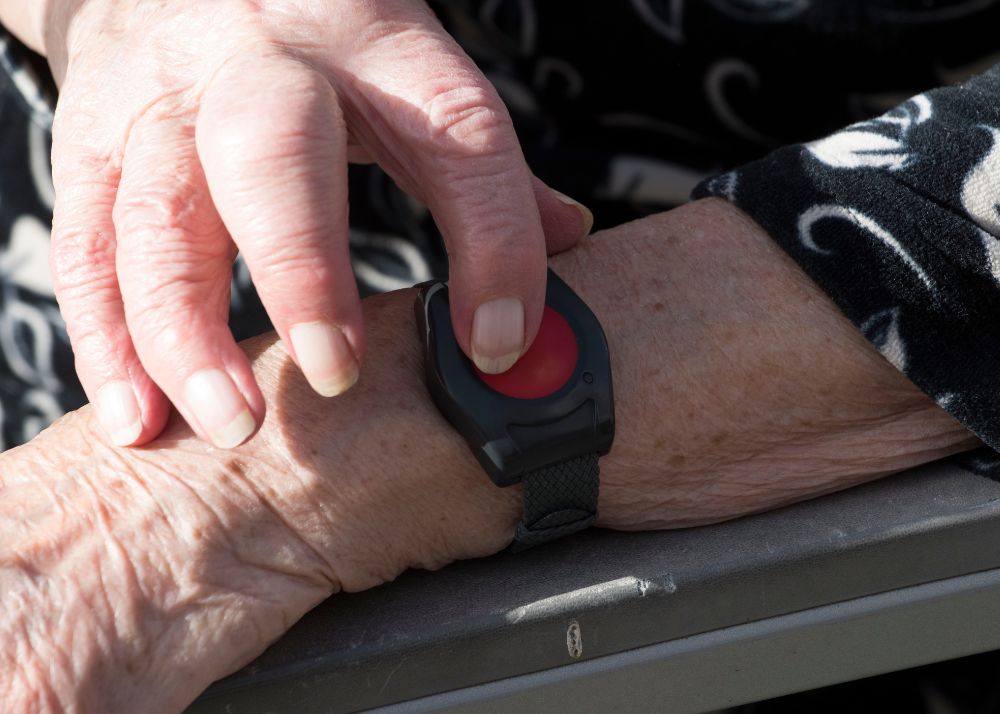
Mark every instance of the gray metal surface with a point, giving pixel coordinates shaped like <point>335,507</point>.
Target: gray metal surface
<point>759,660</point>
<point>503,617</point>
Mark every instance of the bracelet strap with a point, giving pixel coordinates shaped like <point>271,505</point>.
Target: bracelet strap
<point>558,500</point>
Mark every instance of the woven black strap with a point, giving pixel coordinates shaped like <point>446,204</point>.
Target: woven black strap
<point>558,500</point>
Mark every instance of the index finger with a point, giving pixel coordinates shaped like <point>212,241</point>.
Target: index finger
<point>440,125</point>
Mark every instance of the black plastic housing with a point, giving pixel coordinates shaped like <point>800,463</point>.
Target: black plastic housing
<point>511,437</point>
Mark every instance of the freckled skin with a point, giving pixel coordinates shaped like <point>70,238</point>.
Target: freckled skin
<point>133,578</point>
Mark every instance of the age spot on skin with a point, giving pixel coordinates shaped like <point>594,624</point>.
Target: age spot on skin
<point>233,468</point>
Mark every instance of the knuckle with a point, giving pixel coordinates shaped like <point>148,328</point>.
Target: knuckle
<point>515,258</point>
<point>161,232</point>
<point>184,284</point>
<point>288,277</point>
<point>468,120</point>
<point>98,173</point>
<point>164,322</point>
<point>77,153</point>
<point>160,335</point>
<point>82,261</point>
<point>297,119</point>
<point>496,238</point>
<point>144,209</point>
<point>96,342</point>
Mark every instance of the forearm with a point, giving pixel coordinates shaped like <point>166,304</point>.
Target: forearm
<point>738,387</point>
<point>896,219</point>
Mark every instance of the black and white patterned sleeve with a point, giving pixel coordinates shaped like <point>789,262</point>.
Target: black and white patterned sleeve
<point>898,220</point>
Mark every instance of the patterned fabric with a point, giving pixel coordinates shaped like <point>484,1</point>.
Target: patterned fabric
<point>37,383</point>
<point>626,106</point>
<point>897,219</point>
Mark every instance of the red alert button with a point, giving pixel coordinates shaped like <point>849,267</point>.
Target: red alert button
<point>545,367</point>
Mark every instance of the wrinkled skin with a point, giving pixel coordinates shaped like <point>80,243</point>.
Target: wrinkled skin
<point>132,578</point>
<point>186,131</point>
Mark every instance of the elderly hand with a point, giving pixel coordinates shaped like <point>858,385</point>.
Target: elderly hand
<point>187,130</point>
<point>132,578</point>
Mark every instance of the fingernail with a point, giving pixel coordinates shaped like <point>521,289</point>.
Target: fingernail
<point>219,408</point>
<point>325,357</point>
<point>585,214</point>
<point>498,334</point>
<point>118,412</point>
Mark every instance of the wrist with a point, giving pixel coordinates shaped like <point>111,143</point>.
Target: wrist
<point>149,572</point>
<point>72,571</point>
<point>739,387</point>
<point>398,486</point>
<point>181,562</point>
<point>137,577</point>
